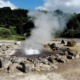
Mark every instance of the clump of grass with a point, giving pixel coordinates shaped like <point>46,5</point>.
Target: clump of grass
<point>14,37</point>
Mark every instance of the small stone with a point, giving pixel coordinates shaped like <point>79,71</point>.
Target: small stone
<point>70,57</point>
<point>61,60</point>
<point>71,43</point>
<point>62,42</point>
<point>44,61</point>
<point>3,47</point>
<point>51,59</point>
<point>72,52</point>
<point>13,67</point>
<point>66,53</point>
<point>22,68</point>
<point>53,45</point>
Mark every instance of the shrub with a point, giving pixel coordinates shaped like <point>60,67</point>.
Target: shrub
<point>13,30</point>
<point>21,38</point>
<point>18,37</point>
<point>5,33</point>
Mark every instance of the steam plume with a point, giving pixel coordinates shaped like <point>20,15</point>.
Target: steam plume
<point>69,6</point>
<point>46,24</point>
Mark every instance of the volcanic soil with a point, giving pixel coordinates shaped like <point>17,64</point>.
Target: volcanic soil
<point>69,70</point>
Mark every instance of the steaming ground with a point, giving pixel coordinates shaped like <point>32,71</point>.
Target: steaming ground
<point>65,71</point>
<point>46,25</point>
<point>32,51</point>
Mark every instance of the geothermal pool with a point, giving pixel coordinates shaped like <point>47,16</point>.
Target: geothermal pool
<point>21,53</point>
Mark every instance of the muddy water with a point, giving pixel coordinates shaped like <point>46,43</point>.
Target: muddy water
<point>20,53</point>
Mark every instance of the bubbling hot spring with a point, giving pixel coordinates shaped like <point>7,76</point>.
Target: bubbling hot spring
<point>46,26</point>
<point>33,53</point>
<point>29,49</point>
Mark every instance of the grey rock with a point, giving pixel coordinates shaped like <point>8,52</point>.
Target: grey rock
<point>66,53</point>
<point>60,60</point>
<point>51,59</point>
<point>71,43</point>
<point>70,57</point>
<point>72,53</point>
<point>44,61</point>
<point>3,47</point>
<point>6,63</point>
<point>22,67</point>
<point>13,68</point>
<point>62,42</point>
<point>52,45</point>
<point>0,63</point>
<point>61,52</point>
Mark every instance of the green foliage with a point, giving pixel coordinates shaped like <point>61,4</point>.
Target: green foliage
<point>73,27</point>
<point>70,32</point>
<point>13,30</point>
<point>5,33</point>
<point>17,37</point>
<point>19,23</point>
<point>16,20</point>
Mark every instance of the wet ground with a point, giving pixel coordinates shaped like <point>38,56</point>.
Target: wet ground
<point>43,54</point>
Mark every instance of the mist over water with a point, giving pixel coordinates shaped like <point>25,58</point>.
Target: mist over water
<point>46,24</point>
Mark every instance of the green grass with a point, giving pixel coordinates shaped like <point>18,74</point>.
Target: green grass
<point>14,37</point>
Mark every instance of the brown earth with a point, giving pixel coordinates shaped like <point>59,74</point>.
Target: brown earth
<point>69,70</point>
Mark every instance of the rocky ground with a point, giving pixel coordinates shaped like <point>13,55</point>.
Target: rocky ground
<point>59,63</point>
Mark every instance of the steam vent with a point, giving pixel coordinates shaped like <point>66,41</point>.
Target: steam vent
<point>43,54</point>
<point>50,52</point>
